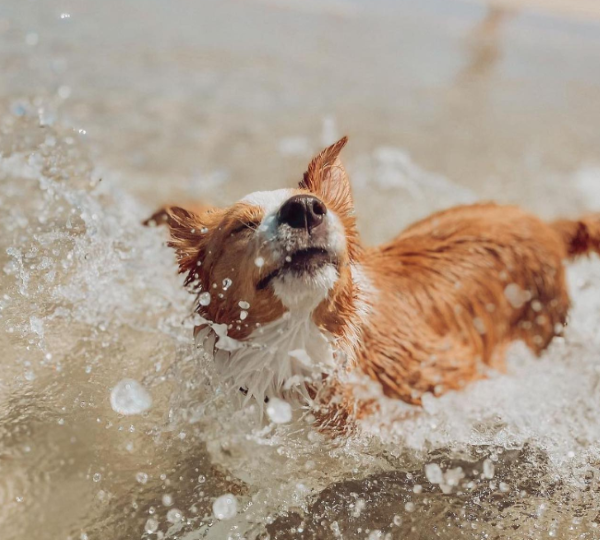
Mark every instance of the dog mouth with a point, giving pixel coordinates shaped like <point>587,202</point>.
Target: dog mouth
<point>300,262</point>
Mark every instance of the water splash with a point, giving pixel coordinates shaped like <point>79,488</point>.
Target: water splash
<point>89,297</point>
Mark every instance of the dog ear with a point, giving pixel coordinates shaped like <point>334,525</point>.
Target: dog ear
<point>326,176</point>
<point>188,238</point>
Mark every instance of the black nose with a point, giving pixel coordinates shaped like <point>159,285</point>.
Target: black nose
<point>302,212</point>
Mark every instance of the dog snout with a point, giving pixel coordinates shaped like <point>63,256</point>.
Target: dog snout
<point>302,212</point>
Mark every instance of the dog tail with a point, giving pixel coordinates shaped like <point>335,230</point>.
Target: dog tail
<point>579,237</point>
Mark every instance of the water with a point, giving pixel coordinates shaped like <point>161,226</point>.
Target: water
<point>225,507</point>
<point>129,397</point>
<point>113,424</point>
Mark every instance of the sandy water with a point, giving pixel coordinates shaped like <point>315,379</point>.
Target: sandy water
<point>111,108</point>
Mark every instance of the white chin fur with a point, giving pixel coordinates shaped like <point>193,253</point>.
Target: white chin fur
<point>307,290</point>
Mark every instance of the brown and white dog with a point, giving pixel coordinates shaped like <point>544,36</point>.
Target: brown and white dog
<point>283,279</point>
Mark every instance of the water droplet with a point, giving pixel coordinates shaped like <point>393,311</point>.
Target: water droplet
<point>259,261</point>
<point>37,325</point>
<point>244,305</point>
<point>167,500</point>
<point>204,299</point>
<point>174,515</point>
<point>359,506</point>
<point>302,356</point>
<point>227,283</point>
<point>279,411</point>
<point>243,315</point>
<point>141,477</point>
<point>225,506</point>
<point>479,325</point>
<point>434,473</point>
<point>151,526</point>
<point>97,477</point>
<point>516,296</point>
<point>488,469</point>
<point>129,397</point>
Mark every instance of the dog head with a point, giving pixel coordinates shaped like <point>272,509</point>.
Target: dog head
<point>288,250</point>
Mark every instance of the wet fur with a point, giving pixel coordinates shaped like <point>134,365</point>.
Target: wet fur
<point>429,311</point>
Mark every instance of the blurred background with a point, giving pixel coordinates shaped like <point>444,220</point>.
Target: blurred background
<point>110,108</point>
<point>212,99</point>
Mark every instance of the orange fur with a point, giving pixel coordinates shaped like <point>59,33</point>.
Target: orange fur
<point>450,278</point>
<point>441,301</point>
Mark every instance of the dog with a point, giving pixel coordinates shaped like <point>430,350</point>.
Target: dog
<point>284,281</point>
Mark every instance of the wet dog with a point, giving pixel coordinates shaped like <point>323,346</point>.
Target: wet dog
<point>294,296</point>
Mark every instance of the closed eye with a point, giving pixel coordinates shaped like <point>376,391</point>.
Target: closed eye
<point>246,226</point>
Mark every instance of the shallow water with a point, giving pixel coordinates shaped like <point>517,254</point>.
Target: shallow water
<point>111,108</point>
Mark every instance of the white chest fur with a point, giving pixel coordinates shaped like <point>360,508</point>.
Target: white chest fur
<point>280,359</point>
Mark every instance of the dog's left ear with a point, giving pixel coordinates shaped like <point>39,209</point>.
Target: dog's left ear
<point>188,237</point>
<point>327,178</point>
